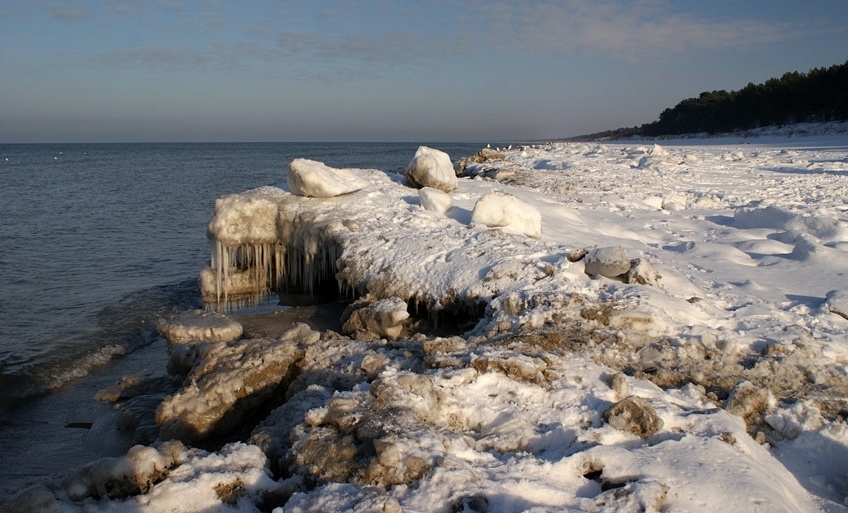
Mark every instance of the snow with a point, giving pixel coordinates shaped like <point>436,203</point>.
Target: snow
<point>673,338</point>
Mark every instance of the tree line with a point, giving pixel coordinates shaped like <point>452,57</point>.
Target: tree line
<point>819,95</point>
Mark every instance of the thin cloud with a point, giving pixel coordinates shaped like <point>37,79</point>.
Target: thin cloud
<point>67,12</point>
<point>627,31</point>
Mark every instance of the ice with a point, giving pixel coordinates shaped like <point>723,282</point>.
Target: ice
<point>316,179</point>
<point>502,210</point>
<point>431,168</point>
<point>708,375</point>
<point>435,200</point>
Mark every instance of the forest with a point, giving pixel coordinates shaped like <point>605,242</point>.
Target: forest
<point>819,95</point>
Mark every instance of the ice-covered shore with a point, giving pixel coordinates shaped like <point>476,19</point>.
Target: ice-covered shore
<point>675,338</point>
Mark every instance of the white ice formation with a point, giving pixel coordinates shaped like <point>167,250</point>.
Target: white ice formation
<point>431,168</point>
<point>502,210</point>
<point>370,241</point>
<point>435,200</point>
<point>318,180</point>
<point>202,325</point>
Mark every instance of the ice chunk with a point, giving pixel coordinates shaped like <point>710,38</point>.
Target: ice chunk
<point>228,383</point>
<point>501,210</point>
<point>431,168</point>
<point>200,325</point>
<point>435,200</point>
<point>318,180</point>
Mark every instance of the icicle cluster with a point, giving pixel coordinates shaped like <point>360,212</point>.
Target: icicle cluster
<point>262,243</point>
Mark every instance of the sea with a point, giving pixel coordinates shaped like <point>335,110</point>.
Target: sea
<point>97,243</point>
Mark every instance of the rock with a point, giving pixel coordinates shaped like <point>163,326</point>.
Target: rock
<point>633,415</point>
<point>435,200</point>
<point>318,180</point>
<point>642,272</point>
<point>836,302</point>
<point>431,168</point>
<point>501,210</point>
<point>611,262</point>
<point>200,325</point>
<point>228,382</point>
<point>749,402</point>
<point>382,319</point>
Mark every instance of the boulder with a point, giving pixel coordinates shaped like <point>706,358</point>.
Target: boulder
<point>431,168</point>
<point>435,200</point>
<point>318,180</point>
<point>501,210</point>
<point>611,262</point>
<point>633,415</point>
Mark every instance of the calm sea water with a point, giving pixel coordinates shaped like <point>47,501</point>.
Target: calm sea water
<point>98,241</point>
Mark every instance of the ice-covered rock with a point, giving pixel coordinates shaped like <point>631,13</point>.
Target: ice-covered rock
<point>382,319</point>
<point>610,262</point>
<point>633,415</point>
<point>228,382</point>
<point>642,272</point>
<point>318,180</point>
<point>749,402</point>
<point>435,200</point>
<point>431,168</point>
<point>199,325</point>
<point>127,475</point>
<point>836,302</point>
<point>502,210</point>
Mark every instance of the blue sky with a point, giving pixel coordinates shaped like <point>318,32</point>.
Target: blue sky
<point>351,70</point>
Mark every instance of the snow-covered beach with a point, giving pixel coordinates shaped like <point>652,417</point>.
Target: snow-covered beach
<point>669,333</point>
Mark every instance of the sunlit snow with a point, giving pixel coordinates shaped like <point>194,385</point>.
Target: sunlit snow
<point>648,326</point>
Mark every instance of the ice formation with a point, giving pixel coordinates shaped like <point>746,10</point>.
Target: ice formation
<point>431,168</point>
<point>199,325</point>
<point>502,210</point>
<point>435,200</point>
<point>318,180</point>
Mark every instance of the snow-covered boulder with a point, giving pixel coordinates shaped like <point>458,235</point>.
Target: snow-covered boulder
<point>642,272</point>
<point>228,382</point>
<point>633,415</point>
<point>318,180</point>
<point>200,325</point>
<point>431,168</point>
<point>383,319</point>
<point>502,210</point>
<point>435,200</point>
<point>610,262</point>
<point>836,302</point>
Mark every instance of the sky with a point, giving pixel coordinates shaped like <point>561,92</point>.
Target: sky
<point>357,70</point>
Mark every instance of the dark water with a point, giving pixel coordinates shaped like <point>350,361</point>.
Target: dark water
<point>97,241</point>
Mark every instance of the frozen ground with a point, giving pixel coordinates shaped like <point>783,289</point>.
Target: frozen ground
<point>701,365</point>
